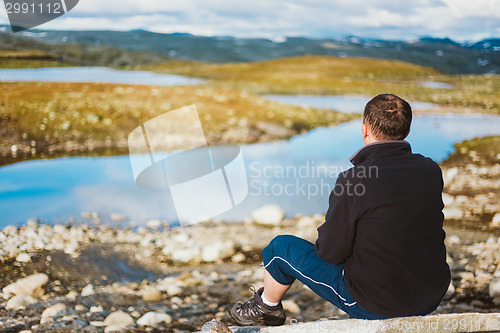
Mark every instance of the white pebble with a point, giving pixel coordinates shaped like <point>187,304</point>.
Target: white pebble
<point>52,311</point>
<point>20,302</point>
<point>270,214</point>
<point>88,290</point>
<point>23,257</point>
<point>154,318</point>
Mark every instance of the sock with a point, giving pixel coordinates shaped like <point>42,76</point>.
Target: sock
<point>265,301</point>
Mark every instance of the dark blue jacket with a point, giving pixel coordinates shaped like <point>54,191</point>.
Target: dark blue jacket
<point>385,222</point>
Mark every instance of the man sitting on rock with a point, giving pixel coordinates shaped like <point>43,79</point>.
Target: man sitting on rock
<point>380,252</point>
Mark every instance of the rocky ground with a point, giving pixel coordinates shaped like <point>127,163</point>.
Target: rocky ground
<point>94,278</point>
<point>472,184</point>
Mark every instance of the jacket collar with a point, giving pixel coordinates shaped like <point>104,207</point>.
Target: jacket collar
<point>380,148</point>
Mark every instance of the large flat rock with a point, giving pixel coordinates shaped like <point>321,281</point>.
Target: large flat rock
<point>445,323</point>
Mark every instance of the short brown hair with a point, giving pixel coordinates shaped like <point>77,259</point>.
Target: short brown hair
<point>388,116</point>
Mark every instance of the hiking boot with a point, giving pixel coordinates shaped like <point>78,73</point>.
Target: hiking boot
<point>255,312</point>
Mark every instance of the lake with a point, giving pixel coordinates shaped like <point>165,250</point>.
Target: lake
<point>344,104</point>
<point>58,189</point>
<point>95,74</point>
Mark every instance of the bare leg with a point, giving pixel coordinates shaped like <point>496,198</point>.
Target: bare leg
<point>274,291</point>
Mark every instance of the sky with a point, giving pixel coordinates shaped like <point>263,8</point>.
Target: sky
<point>460,20</point>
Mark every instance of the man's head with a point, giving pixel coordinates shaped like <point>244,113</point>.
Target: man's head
<point>386,117</point>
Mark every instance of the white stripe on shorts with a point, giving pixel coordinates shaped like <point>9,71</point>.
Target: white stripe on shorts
<point>307,277</point>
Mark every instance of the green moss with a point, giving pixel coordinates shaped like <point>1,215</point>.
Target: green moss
<point>478,151</point>
<point>54,119</point>
<point>325,75</point>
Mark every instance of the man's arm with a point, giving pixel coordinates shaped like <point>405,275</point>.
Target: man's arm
<point>336,236</point>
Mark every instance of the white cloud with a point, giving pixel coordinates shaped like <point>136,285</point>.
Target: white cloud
<point>476,8</point>
<point>458,19</point>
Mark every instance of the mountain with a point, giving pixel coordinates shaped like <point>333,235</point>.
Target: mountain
<point>444,55</point>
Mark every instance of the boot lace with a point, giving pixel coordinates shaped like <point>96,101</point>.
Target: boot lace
<point>249,308</point>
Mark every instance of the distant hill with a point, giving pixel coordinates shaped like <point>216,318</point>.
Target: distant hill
<point>444,55</point>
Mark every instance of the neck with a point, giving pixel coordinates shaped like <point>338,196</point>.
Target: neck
<point>369,139</point>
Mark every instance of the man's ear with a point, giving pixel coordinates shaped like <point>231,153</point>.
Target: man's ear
<point>364,130</point>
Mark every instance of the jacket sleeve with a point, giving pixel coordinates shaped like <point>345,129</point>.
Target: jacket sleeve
<point>336,235</point>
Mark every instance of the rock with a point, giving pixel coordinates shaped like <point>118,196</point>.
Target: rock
<point>72,295</point>
<point>81,308</point>
<point>10,230</point>
<point>52,311</point>
<point>71,248</point>
<point>451,289</point>
<point>186,254</point>
<point>88,290</point>
<point>453,213</point>
<point>96,308</point>
<point>238,257</point>
<point>461,199</point>
<point>259,273</point>
<point>154,318</point>
<point>86,215</point>
<point>215,326</point>
<point>270,214</point>
<point>97,323</point>
<point>477,303</point>
<point>151,294</point>
<point>181,237</point>
<point>337,312</point>
<point>59,229</point>
<point>467,276</point>
<point>290,306</point>
<point>23,257</point>
<point>31,286</point>
<point>217,250</point>
<point>118,320</point>
<point>465,322</point>
<point>68,317</point>
<point>20,302</point>
<point>116,217</point>
<point>448,199</point>
<point>482,278</point>
<point>153,224</point>
<point>306,222</point>
<point>453,239</point>
<point>495,222</point>
<point>494,287</point>
<point>449,174</point>
<point>114,328</point>
<point>173,290</point>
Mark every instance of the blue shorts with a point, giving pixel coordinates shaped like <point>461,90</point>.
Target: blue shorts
<point>288,258</point>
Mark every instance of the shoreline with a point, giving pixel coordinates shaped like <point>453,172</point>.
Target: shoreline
<point>265,132</point>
